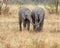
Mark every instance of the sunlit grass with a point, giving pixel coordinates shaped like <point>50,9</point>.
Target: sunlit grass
<point>11,37</point>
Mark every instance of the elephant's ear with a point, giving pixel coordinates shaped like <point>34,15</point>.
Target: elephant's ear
<point>41,18</point>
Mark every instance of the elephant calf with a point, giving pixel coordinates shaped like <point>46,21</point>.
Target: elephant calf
<point>38,14</point>
<point>25,17</point>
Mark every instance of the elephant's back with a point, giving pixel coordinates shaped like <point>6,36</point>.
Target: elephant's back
<point>24,11</point>
<point>38,10</point>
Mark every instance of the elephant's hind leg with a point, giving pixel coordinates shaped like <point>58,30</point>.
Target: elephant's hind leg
<point>20,25</point>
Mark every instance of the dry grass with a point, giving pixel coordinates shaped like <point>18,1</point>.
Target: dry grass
<point>11,37</point>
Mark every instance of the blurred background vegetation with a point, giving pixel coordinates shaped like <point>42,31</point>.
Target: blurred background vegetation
<point>51,5</point>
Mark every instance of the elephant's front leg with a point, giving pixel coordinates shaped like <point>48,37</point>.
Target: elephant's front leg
<point>24,24</point>
<point>20,26</point>
<point>40,26</point>
<point>0,10</point>
<point>34,27</point>
<point>28,25</point>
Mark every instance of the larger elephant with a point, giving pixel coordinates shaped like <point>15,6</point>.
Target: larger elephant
<point>25,17</point>
<point>38,14</point>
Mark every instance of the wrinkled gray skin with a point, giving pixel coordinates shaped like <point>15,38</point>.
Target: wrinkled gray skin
<point>38,14</point>
<point>25,17</point>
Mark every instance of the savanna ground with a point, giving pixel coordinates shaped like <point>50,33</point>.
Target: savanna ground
<point>11,37</point>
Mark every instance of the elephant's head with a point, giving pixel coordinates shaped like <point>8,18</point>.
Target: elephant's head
<point>38,19</point>
<point>28,14</point>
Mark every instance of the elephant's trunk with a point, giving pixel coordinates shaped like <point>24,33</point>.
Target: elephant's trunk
<point>30,19</point>
<point>41,18</point>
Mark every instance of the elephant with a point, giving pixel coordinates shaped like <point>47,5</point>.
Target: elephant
<point>37,15</point>
<point>25,18</point>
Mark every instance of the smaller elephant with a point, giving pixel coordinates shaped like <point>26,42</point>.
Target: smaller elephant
<point>25,17</point>
<point>38,14</point>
